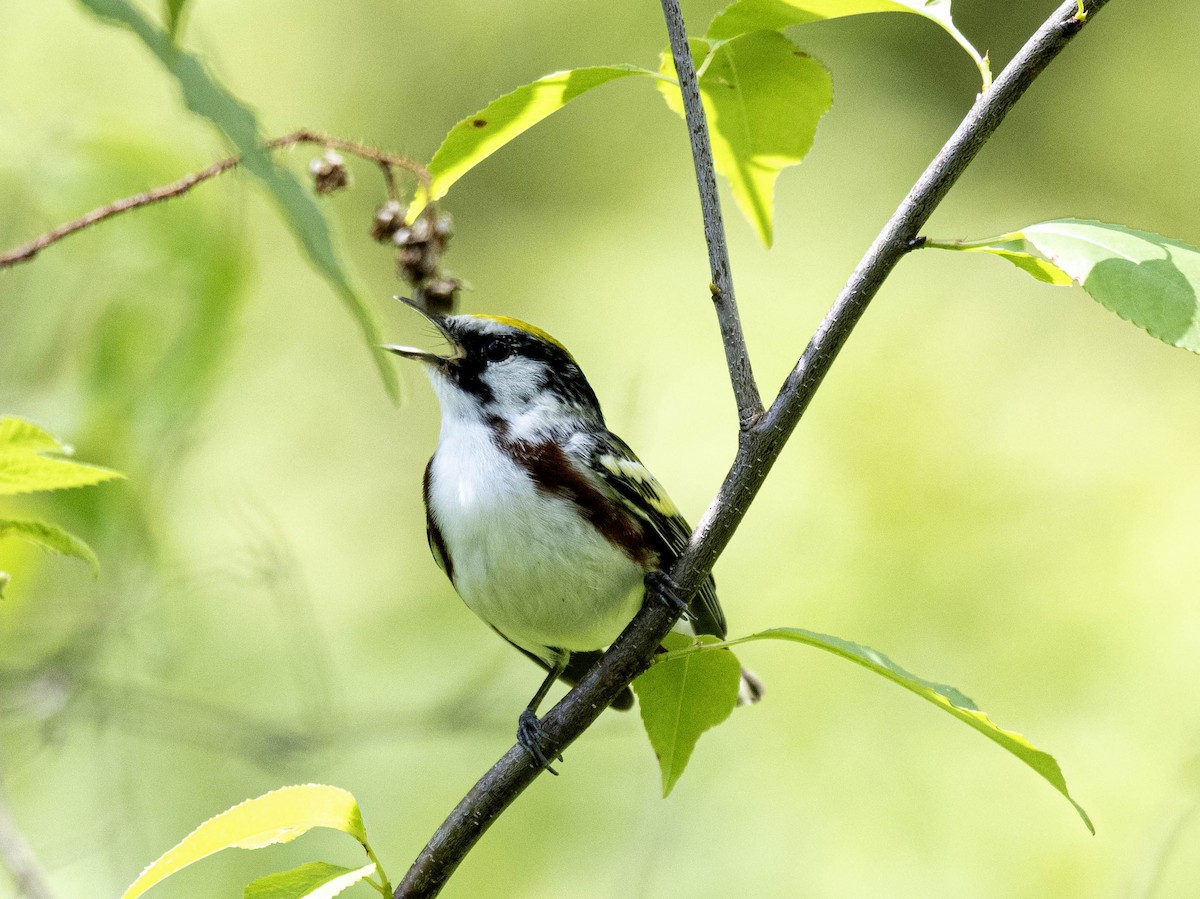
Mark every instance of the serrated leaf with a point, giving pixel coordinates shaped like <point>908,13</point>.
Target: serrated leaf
<point>315,880</point>
<point>51,537</point>
<point>25,467</point>
<point>745,16</point>
<point>764,98</point>
<point>478,136</point>
<point>207,97</point>
<point>1147,279</point>
<point>277,817</point>
<point>680,698</point>
<point>944,697</point>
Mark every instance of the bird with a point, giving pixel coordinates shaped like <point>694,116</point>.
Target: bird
<point>549,527</point>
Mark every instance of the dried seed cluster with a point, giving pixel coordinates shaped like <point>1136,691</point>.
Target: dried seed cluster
<point>419,246</point>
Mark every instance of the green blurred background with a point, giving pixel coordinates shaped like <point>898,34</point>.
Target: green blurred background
<point>997,485</point>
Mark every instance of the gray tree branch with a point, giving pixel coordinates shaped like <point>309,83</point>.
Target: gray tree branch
<point>758,449</point>
<point>745,390</point>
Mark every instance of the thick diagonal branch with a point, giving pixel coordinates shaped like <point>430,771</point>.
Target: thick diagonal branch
<point>759,448</point>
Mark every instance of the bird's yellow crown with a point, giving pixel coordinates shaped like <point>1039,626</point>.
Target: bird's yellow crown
<point>527,328</point>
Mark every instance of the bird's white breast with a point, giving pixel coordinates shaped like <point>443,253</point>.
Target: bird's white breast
<point>526,562</point>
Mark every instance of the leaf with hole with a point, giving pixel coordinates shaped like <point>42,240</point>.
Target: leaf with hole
<point>1149,280</point>
<point>944,697</point>
<point>277,817</point>
<point>745,16</point>
<point>763,97</point>
<point>207,97</point>
<point>315,880</point>
<point>680,698</point>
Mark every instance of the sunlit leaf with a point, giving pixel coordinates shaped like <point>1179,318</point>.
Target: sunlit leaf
<point>944,697</point>
<point>315,880</point>
<point>478,136</point>
<point>278,817</point>
<point>1016,252</point>
<point>25,466</point>
<point>207,97</point>
<point>1149,280</point>
<point>745,16</point>
<point>51,537</point>
<point>681,698</point>
<point>764,98</point>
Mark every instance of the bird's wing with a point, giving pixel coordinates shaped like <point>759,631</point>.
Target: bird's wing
<point>632,485</point>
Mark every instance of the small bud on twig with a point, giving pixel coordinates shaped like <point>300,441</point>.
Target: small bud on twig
<point>440,294</point>
<point>329,173</point>
<point>389,220</point>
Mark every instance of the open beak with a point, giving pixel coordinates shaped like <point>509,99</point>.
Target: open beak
<point>410,352</point>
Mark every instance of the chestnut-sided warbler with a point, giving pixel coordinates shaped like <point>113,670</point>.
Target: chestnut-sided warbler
<point>546,523</point>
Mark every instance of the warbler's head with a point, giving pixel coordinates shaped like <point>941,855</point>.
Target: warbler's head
<point>502,371</point>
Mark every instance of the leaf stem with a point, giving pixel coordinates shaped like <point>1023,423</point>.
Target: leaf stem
<point>385,888</point>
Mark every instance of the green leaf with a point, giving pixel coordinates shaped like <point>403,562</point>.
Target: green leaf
<point>277,817</point>
<point>1149,280</point>
<point>763,98</point>
<point>745,16</point>
<point>944,697</point>
<point>25,467</point>
<point>174,13</point>
<point>681,698</point>
<point>206,96</point>
<point>478,136</point>
<point>51,537</point>
<point>315,880</point>
<point>1016,252</point>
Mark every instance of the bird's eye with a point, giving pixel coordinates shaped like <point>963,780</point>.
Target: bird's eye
<point>497,351</point>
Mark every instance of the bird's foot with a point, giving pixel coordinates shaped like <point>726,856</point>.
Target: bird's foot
<point>661,587</point>
<point>529,735</point>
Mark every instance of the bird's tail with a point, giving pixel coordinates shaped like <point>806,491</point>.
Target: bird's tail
<point>751,689</point>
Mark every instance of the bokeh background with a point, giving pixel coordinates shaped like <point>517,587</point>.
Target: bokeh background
<point>997,485</point>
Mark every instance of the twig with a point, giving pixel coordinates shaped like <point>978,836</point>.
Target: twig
<point>18,859</point>
<point>386,161</point>
<point>745,390</point>
<point>757,452</point>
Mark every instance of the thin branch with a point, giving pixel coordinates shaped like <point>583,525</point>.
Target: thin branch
<point>757,452</point>
<point>386,161</point>
<point>745,390</point>
<point>18,859</point>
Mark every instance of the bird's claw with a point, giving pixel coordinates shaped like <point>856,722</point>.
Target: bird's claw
<point>661,587</point>
<point>529,735</point>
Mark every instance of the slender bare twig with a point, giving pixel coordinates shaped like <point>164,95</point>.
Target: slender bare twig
<point>387,162</point>
<point>18,859</point>
<point>745,390</point>
<point>757,452</point>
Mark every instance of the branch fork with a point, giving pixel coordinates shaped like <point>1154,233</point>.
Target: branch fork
<point>763,432</point>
